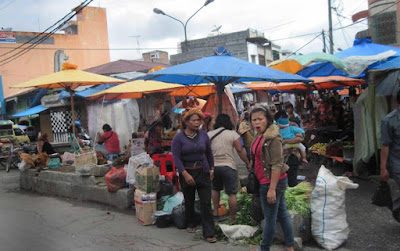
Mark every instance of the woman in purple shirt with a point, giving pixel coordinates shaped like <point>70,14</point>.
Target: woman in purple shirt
<point>194,160</point>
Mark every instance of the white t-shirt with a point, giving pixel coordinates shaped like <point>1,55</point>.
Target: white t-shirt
<point>222,147</point>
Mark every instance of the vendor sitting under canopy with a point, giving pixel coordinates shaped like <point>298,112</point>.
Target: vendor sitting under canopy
<point>110,140</point>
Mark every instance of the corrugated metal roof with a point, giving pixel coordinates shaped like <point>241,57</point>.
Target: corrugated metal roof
<point>122,65</point>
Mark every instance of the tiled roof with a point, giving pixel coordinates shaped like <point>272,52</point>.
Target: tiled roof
<point>122,65</point>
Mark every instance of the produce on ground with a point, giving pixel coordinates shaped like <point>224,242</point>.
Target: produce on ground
<point>298,198</point>
<point>319,147</point>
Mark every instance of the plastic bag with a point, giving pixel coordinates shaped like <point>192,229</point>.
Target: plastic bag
<point>178,216</point>
<point>172,202</point>
<point>23,166</point>
<point>256,211</point>
<point>382,196</point>
<point>166,189</point>
<point>115,179</point>
<point>68,158</point>
<point>253,186</point>
<point>236,232</point>
<point>134,162</point>
<point>329,225</point>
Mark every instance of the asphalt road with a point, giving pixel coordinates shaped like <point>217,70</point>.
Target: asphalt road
<point>32,222</point>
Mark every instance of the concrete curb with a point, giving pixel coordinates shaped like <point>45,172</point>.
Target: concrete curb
<point>74,186</point>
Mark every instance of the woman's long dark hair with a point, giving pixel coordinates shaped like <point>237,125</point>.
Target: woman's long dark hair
<point>266,112</point>
<point>223,120</point>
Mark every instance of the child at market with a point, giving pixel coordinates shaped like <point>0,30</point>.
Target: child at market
<point>289,132</point>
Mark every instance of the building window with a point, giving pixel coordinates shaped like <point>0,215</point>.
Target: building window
<point>384,28</point>
<point>253,59</point>
<point>261,58</point>
<point>154,55</point>
<point>275,55</point>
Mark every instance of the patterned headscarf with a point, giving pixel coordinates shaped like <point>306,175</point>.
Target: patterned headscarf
<point>190,112</point>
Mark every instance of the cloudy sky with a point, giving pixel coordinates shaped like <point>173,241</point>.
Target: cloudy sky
<point>133,27</point>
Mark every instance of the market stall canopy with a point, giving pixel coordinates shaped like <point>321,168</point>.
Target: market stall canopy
<point>30,111</point>
<point>221,69</point>
<point>70,78</point>
<point>362,49</point>
<point>269,86</point>
<point>201,90</point>
<point>67,78</point>
<point>319,83</point>
<point>134,89</point>
<point>87,92</point>
<point>296,63</point>
<point>345,92</point>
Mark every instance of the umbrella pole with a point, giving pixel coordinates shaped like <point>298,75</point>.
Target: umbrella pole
<point>71,93</point>
<point>220,90</point>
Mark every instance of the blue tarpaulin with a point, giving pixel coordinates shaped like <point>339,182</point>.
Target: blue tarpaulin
<point>240,89</point>
<point>221,70</point>
<point>365,48</point>
<point>30,111</point>
<point>89,91</point>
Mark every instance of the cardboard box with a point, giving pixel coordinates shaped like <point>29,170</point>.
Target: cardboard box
<point>145,208</point>
<point>147,178</point>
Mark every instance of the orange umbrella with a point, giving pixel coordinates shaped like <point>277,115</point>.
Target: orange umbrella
<point>345,92</point>
<point>269,86</point>
<point>335,81</point>
<point>319,83</point>
<point>201,90</point>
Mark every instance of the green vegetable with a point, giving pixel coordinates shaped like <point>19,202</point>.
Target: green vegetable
<point>298,198</point>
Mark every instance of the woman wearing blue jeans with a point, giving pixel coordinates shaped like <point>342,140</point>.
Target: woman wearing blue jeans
<point>270,170</point>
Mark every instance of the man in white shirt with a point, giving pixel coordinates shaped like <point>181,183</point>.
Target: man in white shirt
<point>223,141</point>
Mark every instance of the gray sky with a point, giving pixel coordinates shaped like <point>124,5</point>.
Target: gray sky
<point>280,20</point>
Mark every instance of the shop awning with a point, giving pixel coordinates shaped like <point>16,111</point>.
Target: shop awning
<point>30,111</point>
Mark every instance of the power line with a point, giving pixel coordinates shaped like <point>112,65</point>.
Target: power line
<point>304,45</point>
<point>276,26</point>
<point>96,49</point>
<point>344,27</point>
<point>36,43</point>
<point>43,32</point>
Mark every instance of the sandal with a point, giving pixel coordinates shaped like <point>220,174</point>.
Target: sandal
<point>211,240</point>
<point>191,230</point>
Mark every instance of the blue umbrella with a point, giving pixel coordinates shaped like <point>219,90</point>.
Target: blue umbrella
<point>361,47</point>
<point>221,69</point>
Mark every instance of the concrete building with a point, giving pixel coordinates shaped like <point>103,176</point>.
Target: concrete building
<point>383,21</point>
<point>156,57</point>
<point>89,30</point>
<point>249,45</point>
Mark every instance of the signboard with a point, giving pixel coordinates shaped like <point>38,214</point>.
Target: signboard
<point>53,100</point>
<point>7,37</point>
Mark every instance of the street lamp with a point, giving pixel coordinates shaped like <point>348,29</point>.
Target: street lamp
<point>158,11</point>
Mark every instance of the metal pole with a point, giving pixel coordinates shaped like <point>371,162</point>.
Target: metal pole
<point>330,28</point>
<point>323,39</point>
<point>2,101</point>
<point>71,93</point>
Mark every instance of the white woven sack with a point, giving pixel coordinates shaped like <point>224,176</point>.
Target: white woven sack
<point>328,213</point>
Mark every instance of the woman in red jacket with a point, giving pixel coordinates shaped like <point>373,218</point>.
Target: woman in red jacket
<point>110,140</point>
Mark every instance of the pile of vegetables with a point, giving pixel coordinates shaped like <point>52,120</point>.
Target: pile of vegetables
<point>319,147</point>
<point>298,198</point>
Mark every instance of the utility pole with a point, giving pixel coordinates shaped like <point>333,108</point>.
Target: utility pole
<point>330,28</point>
<point>138,45</point>
<point>323,39</point>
